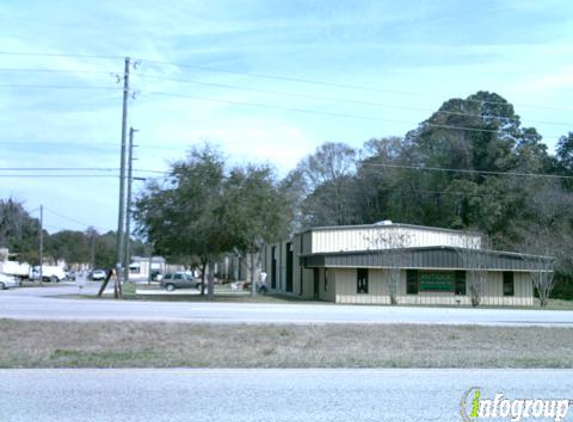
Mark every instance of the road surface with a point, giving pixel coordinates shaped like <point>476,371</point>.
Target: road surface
<point>174,395</point>
<point>36,303</point>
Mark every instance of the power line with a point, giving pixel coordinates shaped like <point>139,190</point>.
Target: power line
<point>275,77</point>
<point>58,176</point>
<point>234,87</point>
<point>324,113</point>
<point>78,56</point>
<point>100,145</point>
<point>99,169</point>
<point>337,85</point>
<point>348,187</point>
<point>467,171</point>
<point>73,220</point>
<point>39,70</point>
<point>10,86</point>
<point>341,100</point>
<point>273,92</point>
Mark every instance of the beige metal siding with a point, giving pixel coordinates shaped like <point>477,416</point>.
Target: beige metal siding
<point>327,290</point>
<point>344,240</point>
<point>345,291</point>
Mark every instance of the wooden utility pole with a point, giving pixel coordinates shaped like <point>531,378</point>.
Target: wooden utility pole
<point>121,218</point>
<point>127,239</point>
<point>93,252</point>
<point>41,243</point>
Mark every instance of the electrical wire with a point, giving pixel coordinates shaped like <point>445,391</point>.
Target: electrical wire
<point>100,169</point>
<point>73,220</point>
<point>77,56</point>
<point>9,69</point>
<point>325,113</point>
<point>57,176</point>
<point>468,171</point>
<point>11,86</point>
<point>337,85</point>
<point>277,77</point>
<point>341,100</point>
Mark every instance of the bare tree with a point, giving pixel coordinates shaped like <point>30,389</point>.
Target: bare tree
<point>391,241</point>
<point>328,176</point>
<point>543,279</point>
<point>542,241</point>
<point>475,260</point>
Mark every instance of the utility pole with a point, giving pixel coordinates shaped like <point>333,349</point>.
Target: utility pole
<point>41,242</point>
<point>126,242</point>
<point>121,218</point>
<point>93,252</point>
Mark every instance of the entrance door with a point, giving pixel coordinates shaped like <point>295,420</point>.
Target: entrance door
<point>316,284</point>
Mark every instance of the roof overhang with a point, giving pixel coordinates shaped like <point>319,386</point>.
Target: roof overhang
<point>441,257</point>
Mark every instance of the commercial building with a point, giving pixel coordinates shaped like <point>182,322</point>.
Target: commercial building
<point>385,262</point>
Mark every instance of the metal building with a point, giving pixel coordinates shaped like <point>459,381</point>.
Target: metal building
<point>375,264</point>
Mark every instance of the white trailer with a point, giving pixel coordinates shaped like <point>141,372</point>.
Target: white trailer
<point>15,269</point>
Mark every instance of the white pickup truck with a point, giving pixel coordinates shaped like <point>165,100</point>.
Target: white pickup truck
<point>50,273</point>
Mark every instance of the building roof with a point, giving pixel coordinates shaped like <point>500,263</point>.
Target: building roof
<point>434,257</point>
<point>387,224</point>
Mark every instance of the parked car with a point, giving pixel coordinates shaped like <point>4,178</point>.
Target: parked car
<point>98,274</point>
<point>8,282</point>
<point>156,275</point>
<point>179,280</point>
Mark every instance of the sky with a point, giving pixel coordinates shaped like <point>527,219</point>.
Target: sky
<point>265,81</point>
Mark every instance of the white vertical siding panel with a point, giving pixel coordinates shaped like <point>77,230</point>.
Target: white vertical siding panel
<point>333,240</point>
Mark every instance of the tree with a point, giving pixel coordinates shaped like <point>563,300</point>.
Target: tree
<point>565,153</point>
<point>328,176</point>
<point>71,246</point>
<point>543,279</point>
<point>475,260</point>
<point>19,232</point>
<point>564,159</point>
<point>186,218</point>
<point>393,242</point>
<point>255,213</point>
<point>105,245</point>
<point>376,182</point>
<point>463,138</point>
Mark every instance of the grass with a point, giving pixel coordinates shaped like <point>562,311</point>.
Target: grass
<point>42,344</point>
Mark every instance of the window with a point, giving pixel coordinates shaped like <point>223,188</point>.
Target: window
<point>412,282</point>
<point>362,280</point>
<point>508,285</point>
<point>460,287</point>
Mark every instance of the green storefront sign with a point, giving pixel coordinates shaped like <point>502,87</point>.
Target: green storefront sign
<point>437,281</point>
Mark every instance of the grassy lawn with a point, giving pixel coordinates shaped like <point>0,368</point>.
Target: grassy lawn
<point>32,344</point>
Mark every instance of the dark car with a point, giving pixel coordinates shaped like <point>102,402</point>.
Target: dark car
<point>179,280</point>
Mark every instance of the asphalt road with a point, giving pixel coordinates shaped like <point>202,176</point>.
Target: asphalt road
<point>73,395</point>
<point>36,303</point>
